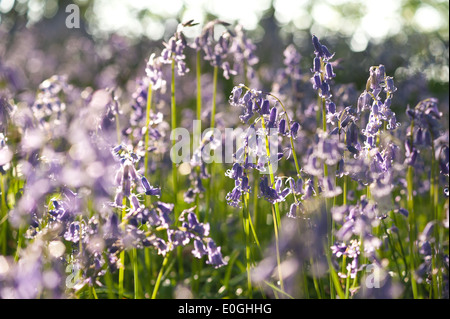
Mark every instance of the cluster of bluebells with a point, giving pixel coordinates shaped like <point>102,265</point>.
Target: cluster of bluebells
<point>67,150</point>
<point>288,83</point>
<point>75,188</point>
<point>132,185</point>
<point>423,132</point>
<point>380,111</point>
<point>48,101</point>
<point>233,51</point>
<point>173,52</point>
<point>323,69</point>
<point>360,143</point>
<point>260,149</point>
<point>357,222</point>
<point>215,52</point>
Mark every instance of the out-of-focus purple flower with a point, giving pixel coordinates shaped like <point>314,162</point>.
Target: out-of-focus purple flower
<point>296,210</point>
<point>214,255</point>
<point>150,190</point>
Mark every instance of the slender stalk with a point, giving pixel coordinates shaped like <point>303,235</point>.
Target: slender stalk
<point>288,122</point>
<point>160,274</point>
<point>199,88</point>
<point>212,125</point>
<point>136,273</point>
<point>3,216</point>
<point>199,117</point>
<point>175,169</point>
<point>394,250</point>
<point>272,178</point>
<point>213,110</point>
<point>400,242</point>
<point>174,126</point>
<point>122,253</point>
<point>411,220</point>
<point>277,244</point>
<point>245,216</point>
<point>93,292</point>
<point>327,202</point>
<point>347,283</point>
<point>434,208</point>
<point>109,283</point>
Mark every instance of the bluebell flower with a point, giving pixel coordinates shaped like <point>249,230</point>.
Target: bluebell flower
<point>296,186</point>
<point>309,190</point>
<point>234,197</point>
<point>272,118</point>
<point>199,249</point>
<point>317,46</point>
<point>390,85</point>
<point>272,194</point>
<point>325,91</point>
<point>329,189</point>
<point>235,96</point>
<point>150,190</point>
<point>161,246</point>
<point>194,225</point>
<point>316,65</point>
<point>282,127</point>
<point>294,129</point>
<point>317,81</point>
<point>265,107</point>
<point>329,74</point>
<point>338,249</point>
<point>296,210</point>
<point>178,237</point>
<point>154,71</point>
<point>214,255</point>
<point>74,232</point>
<point>411,153</point>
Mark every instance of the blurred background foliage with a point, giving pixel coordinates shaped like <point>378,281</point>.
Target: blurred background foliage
<point>116,37</point>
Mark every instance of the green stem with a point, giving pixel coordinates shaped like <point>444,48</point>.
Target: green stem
<point>272,178</point>
<point>213,110</point>
<point>109,283</point>
<point>212,125</point>
<point>175,170</point>
<point>122,253</point>
<point>3,216</point>
<point>394,250</point>
<point>324,115</point>
<point>174,126</point>
<point>160,274</point>
<point>411,220</point>
<point>136,274</point>
<point>434,206</point>
<point>199,118</point>
<point>277,244</point>
<point>199,88</point>
<point>245,216</point>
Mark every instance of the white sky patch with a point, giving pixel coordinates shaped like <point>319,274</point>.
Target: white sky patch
<point>327,16</point>
<point>245,12</point>
<point>288,10</point>
<point>6,5</point>
<point>427,18</point>
<point>359,41</point>
<point>382,18</point>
